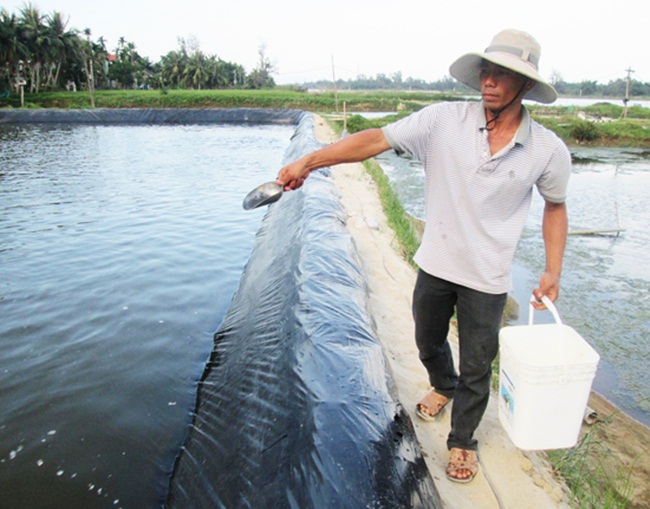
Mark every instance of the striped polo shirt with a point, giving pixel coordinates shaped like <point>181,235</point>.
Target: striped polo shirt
<point>476,202</point>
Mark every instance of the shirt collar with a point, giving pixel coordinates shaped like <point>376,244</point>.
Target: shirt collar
<point>522,131</point>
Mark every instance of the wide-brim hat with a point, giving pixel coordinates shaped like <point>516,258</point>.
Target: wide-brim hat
<point>514,50</point>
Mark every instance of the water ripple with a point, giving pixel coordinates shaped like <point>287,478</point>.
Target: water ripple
<point>120,250</point>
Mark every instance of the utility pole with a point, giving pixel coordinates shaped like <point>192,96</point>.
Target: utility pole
<point>629,71</point>
<point>21,83</point>
<point>89,70</point>
<point>336,93</point>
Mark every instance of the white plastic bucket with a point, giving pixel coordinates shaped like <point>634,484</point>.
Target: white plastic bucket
<point>545,378</point>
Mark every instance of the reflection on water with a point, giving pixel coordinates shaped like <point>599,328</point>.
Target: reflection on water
<point>606,281</point>
<point>120,250</point>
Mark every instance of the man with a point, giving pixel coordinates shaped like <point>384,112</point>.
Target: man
<point>481,162</point>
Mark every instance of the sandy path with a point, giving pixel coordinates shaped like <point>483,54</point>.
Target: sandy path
<point>519,480</point>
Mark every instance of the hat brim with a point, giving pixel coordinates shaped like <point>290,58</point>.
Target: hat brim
<point>467,68</point>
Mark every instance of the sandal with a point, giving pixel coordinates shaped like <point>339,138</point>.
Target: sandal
<point>462,460</point>
<point>431,406</point>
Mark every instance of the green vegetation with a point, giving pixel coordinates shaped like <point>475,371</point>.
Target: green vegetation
<point>39,52</point>
<point>41,57</point>
<point>584,131</point>
<point>231,98</point>
<point>358,123</point>
<point>614,88</point>
<point>404,226</point>
<point>601,124</point>
<point>628,132</point>
<point>408,230</point>
<point>175,99</point>
<point>593,472</point>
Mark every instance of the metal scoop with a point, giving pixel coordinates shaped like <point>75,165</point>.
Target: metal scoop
<point>264,194</point>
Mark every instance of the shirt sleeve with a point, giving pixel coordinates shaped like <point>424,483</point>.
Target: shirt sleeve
<point>554,181</point>
<point>410,134</point>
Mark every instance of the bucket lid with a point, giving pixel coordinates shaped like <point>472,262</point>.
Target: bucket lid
<point>547,345</point>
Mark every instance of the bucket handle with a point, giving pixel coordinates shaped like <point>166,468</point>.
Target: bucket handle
<point>551,307</point>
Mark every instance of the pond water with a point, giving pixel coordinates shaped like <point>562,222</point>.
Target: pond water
<point>584,101</point>
<point>120,250</point>
<point>605,292</point>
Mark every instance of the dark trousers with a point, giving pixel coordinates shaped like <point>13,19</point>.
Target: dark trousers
<point>479,317</point>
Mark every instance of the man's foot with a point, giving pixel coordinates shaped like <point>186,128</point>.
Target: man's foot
<point>463,465</point>
<point>431,406</point>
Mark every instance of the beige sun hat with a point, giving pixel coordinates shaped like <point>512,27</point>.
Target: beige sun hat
<point>514,50</point>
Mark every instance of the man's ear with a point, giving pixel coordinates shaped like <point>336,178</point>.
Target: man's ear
<point>530,84</point>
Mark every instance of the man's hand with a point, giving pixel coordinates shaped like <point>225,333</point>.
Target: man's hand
<point>354,148</point>
<point>293,175</point>
<point>554,229</point>
<point>549,285</point>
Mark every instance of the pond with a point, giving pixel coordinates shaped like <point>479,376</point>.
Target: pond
<point>120,250</point>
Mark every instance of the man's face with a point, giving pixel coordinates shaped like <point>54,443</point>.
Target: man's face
<point>499,85</point>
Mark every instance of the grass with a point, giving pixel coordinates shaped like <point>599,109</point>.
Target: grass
<point>408,230</point>
<point>403,224</point>
<point>578,131</point>
<point>600,124</point>
<point>275,98</point>
<point>593,473</point>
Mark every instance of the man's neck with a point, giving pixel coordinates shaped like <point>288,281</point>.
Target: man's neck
<point>508,120</point>
<point>505,128</point>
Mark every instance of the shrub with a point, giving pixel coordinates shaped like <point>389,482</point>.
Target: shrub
<point>584,131</point>
<point>358,123</point>
<point>627,132</point>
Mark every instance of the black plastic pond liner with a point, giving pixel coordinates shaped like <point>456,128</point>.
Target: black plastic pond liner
<point>151,116</point>
<point>295,408</point>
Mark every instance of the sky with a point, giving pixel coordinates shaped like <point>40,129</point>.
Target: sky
<point>306,40</point>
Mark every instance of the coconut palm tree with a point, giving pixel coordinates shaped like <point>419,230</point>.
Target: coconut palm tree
<point>37,42</point>
<point>172,68</point>
<point>195,72</point>
<point>88,64</point>
<point>12,49</point>
<point>64,44</point>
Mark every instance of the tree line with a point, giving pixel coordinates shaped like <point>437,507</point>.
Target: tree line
<point>39,52</point>
<point>587,88</point>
